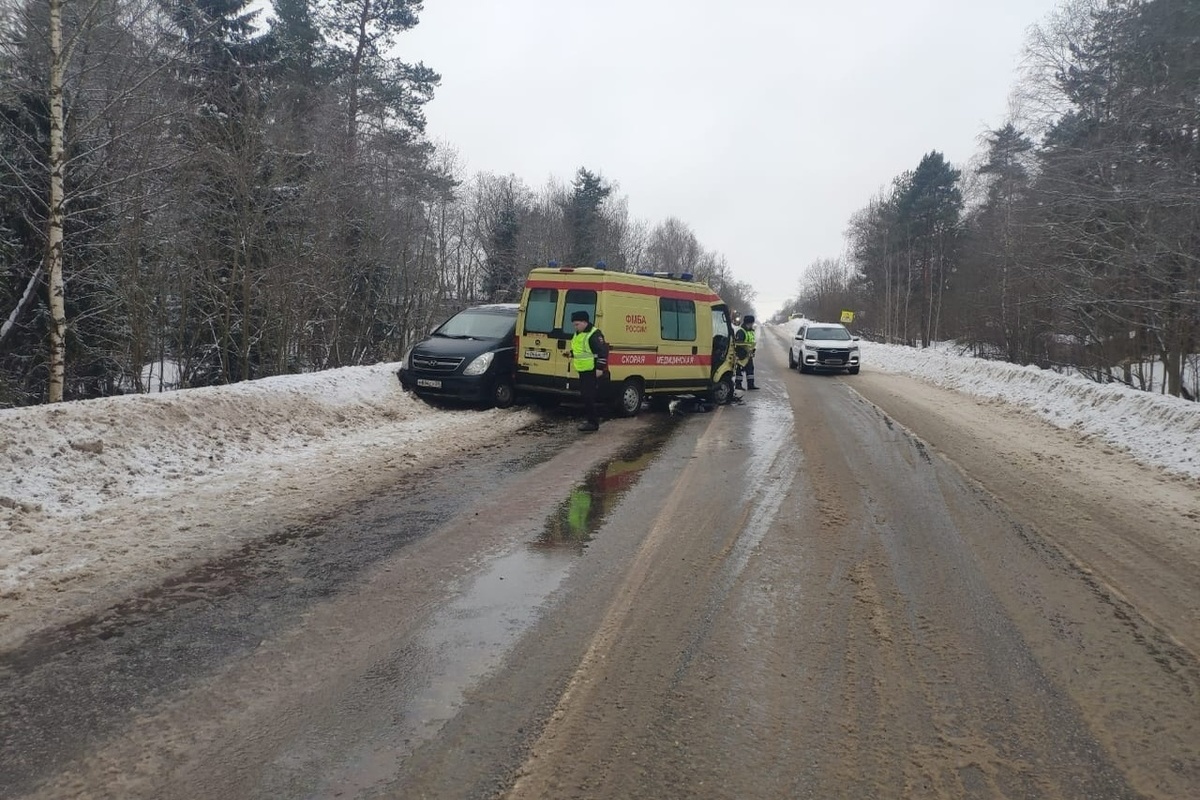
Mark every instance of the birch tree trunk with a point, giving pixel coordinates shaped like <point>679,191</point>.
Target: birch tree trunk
<point>54,239</point>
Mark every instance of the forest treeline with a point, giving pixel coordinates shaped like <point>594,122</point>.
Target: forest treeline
<point>186,183</point>
<point>1073,240</point>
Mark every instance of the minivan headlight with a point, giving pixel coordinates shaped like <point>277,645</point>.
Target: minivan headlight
<point>479,365</point>
<point>406,362</point>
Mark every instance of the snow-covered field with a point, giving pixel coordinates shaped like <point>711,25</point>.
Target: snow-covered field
<point>97,496</point>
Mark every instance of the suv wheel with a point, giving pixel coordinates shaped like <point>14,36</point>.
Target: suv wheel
<point>791,359</point>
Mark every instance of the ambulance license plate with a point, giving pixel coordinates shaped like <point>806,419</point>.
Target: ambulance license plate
<point>541,355</point>
<point>429,384</point>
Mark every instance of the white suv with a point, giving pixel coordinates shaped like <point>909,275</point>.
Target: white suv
<point>824,346</point>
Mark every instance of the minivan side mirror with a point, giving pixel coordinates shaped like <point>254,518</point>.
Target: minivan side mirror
<point>854,338</point>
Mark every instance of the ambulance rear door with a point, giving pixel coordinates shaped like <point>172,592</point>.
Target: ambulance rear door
<point>541,355</point>
<point>545,332</point>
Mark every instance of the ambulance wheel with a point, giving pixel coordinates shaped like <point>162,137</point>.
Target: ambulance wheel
<point>722,393</point>
<point>628,401</point>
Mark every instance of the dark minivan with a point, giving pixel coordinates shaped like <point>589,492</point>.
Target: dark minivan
<point>468,357</point>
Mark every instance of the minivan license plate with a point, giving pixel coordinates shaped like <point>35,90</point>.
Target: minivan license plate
<point>541,355</point>
<point>429,384</point>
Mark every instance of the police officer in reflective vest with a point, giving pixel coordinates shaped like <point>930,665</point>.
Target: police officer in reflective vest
<point>589,357</point>
<point>743,348</point>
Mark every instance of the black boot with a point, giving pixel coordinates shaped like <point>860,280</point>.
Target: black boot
<point>750,384</point>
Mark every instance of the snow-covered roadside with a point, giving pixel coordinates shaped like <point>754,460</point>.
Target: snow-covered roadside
<point>1156,430</point>
<point>119,492</point>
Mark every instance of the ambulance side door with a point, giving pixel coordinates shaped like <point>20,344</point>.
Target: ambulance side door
<point>631,326</point>
<point>682,357</point>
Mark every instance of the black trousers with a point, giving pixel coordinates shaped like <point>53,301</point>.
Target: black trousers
<point>747,370</point>
<point>588,385</point>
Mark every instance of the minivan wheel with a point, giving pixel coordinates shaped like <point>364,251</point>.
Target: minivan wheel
<point>503,394</point>
<point>629,402</point>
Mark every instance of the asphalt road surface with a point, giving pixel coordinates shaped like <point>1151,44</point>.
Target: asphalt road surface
<point>845,586</point>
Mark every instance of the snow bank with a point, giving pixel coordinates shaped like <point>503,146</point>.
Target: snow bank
<point>72,458</point>
<point>1154,429</point>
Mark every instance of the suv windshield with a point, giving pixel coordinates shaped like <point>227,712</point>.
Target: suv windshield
<point>474,324</point>
<point>840,334</point>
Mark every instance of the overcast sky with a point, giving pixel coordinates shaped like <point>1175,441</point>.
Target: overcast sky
<point>762,124</point>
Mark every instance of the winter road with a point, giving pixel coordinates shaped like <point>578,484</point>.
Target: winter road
<point>844,587</point>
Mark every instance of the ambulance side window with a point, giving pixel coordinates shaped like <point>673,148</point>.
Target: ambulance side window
<point>539,310</point>
<point>579,300</point>
<point>678,319</point>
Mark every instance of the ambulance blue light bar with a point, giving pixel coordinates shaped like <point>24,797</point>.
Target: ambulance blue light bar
<point>683,276</point>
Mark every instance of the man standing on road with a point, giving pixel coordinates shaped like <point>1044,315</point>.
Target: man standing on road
<point>589,357</point>
<point>743,341</point>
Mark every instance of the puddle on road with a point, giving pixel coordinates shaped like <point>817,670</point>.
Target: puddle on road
<point>470,637</point>
<point>475,630</point>
<point>579,517</point>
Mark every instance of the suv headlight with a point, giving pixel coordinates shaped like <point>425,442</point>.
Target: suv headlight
<point>479,365</point>
<point>853,348</point>
<point>810,348</point>
<point>406,362</point>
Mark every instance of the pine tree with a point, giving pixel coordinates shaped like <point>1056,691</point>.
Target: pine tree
<point>585,218</point>
<point>929,212</point>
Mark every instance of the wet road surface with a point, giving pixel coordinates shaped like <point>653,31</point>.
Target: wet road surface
<point>792,597</point>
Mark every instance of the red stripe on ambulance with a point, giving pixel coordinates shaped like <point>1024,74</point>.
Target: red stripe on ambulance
<point>616,358</point>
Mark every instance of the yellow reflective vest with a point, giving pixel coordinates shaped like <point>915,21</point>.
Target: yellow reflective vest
<point>744,347</point>
<point>582,357</point>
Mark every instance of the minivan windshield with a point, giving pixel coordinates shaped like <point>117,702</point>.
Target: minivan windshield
<point>840,334</point>
<point>476,324</point>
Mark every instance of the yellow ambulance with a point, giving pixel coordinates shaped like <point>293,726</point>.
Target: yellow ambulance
<point>667,335</point>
